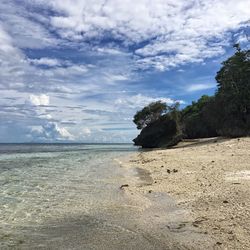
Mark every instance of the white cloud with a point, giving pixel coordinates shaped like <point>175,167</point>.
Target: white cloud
<point>139,101</point>
<point>18,23</point>
<point>163,33</point>
<point>110,51</point>
<point>51,131</point>
<point>172,32</point>
<point>63,132</point>
<point>114,78</point>
<point>67,72</point>
<point>198,87</point>
<point>51,62</point>
<point>86,131</point>
<point>38,100</point>
<point>116,37</point>
<point>5,41</point>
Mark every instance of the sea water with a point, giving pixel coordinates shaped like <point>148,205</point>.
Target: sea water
<point>68,196</point>
<point>64,196</point>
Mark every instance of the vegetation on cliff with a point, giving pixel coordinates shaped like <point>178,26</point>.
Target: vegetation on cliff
<point>227,113</point>
<point>161,132</point>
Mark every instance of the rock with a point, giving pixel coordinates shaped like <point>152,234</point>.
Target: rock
<point>150,191</point>
<point>163,132</point>
<point>169,171</point>
<point>218,243</point>
<point>225,202</point>
<point>175,170</point>
<point>123,186</point>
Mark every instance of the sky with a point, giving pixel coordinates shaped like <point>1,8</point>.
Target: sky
<point>78,70</point>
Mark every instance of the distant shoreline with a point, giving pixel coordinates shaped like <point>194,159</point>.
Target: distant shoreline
<point>65,143</point>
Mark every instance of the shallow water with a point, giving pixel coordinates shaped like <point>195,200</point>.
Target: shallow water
<point>62,194</point>
<point>68,197</point>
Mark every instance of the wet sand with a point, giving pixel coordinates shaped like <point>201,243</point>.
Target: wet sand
<point>198,193</point>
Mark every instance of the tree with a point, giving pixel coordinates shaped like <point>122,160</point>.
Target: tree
<point>197,119</point>
<point>149,114</point>
<point>233,95</point>
<point>160,125</point>
<point>226,113</point>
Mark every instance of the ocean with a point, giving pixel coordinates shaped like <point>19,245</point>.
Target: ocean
<point>65,196</point>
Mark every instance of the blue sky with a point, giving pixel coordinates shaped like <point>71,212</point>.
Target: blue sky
<point>78,70</point>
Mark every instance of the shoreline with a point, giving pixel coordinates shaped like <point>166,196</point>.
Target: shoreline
<point>210,183</point>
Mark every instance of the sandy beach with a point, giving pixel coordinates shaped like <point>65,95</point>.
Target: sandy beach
<point>207,182</point>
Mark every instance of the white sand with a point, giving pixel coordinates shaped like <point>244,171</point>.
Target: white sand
<point>210,180</point>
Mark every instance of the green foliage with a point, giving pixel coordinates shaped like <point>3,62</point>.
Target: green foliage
<point>226,113</point>
<point>233,95</point>
<point>195,107</point>
<point>195,119</point>
<point>149,114</point>
<point>154,111</point>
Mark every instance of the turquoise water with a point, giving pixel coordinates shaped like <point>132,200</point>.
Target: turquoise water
<point>68,197</point>
<point>63,197</point>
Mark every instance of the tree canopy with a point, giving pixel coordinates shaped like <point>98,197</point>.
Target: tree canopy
<point>233,94</point>
<point>227,113</point>
<point>149,114</point>
<point>196,119</point>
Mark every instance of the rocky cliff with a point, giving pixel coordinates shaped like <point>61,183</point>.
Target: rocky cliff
<point>162,133</point>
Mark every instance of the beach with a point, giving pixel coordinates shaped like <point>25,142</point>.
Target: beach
<point>193,196</point>
<point>209,183</point>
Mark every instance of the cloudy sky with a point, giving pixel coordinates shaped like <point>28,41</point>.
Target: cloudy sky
<point>77,70</point>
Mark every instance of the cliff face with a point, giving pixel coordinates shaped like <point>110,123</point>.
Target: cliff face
<point>161,133</point>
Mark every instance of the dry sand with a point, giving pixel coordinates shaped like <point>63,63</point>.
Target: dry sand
<point>210,183</point>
